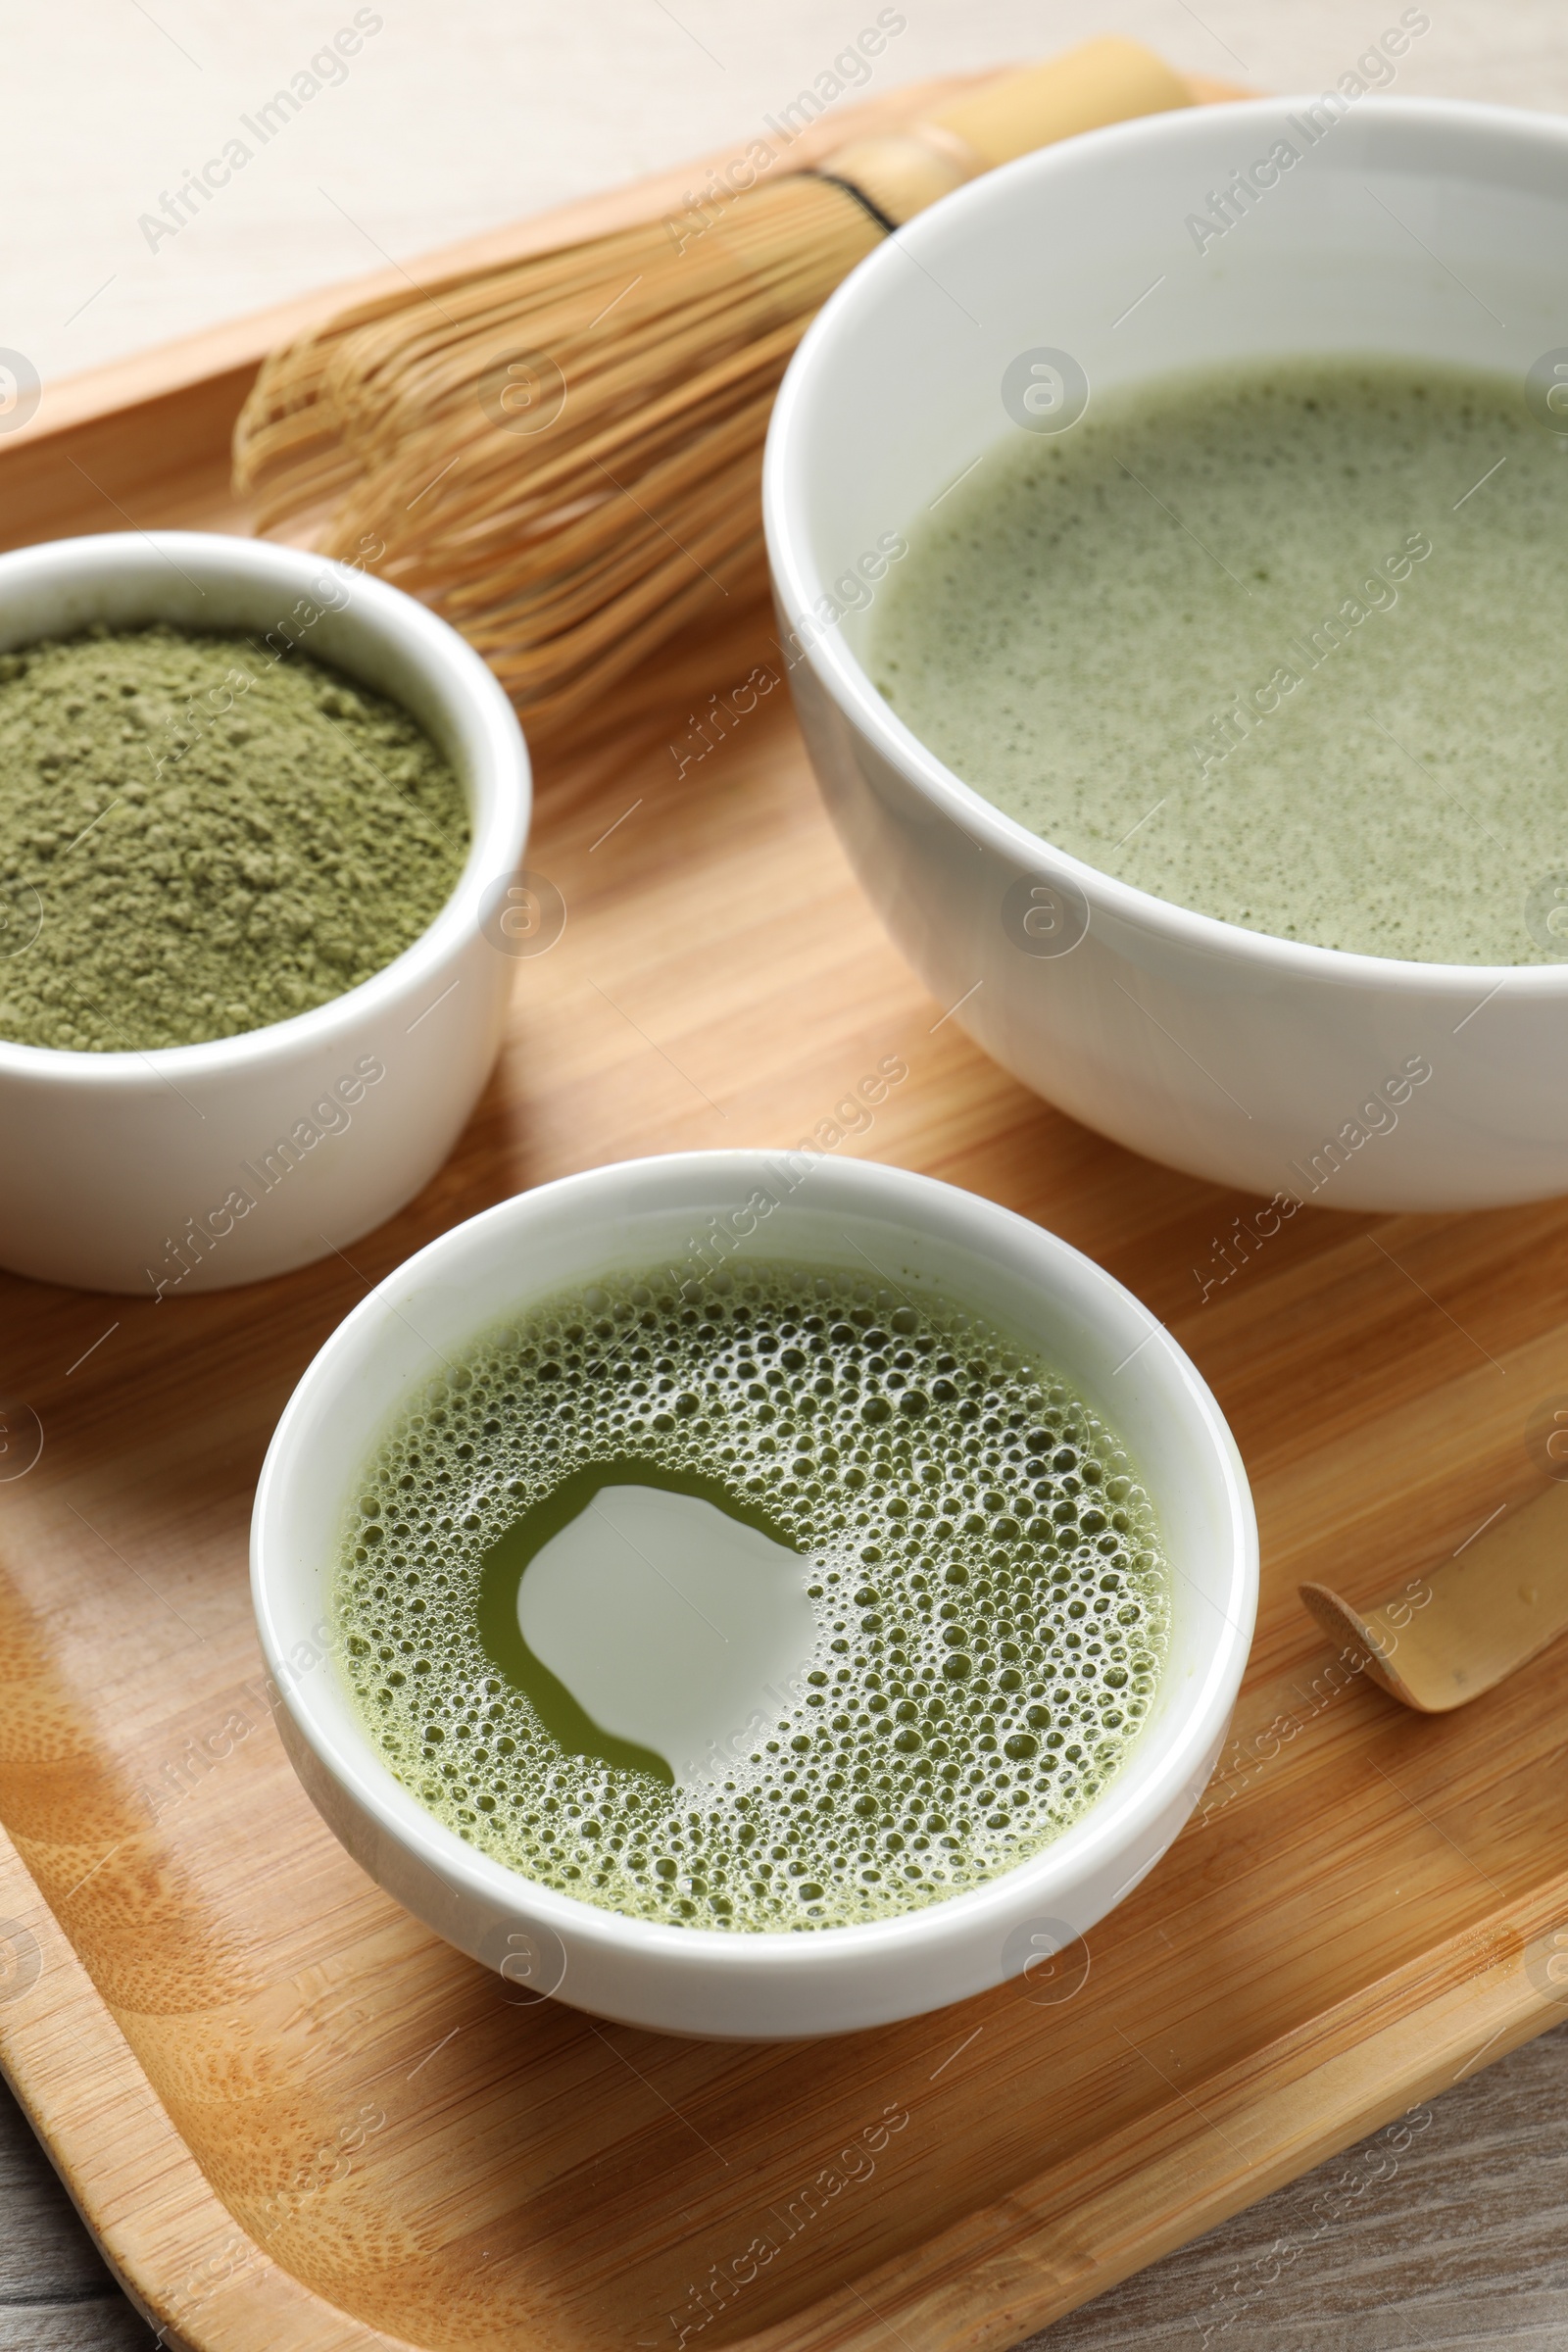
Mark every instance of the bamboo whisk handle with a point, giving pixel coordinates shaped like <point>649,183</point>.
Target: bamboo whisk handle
<point>1107,81</point>
<point>1104,81</point>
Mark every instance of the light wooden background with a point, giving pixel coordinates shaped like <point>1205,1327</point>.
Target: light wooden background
<point>455,118</point>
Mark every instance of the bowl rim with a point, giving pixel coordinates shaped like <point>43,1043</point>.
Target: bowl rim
<point>1127,1809</point>
<point>798,584</point>
<point>503,788</point>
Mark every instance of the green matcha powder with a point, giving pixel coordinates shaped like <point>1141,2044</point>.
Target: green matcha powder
<point>198,837</point>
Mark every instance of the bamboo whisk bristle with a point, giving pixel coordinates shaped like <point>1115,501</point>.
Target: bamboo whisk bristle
<point>562,455</point>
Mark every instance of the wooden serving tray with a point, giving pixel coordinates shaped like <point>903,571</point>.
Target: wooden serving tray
<point>291,2116</point>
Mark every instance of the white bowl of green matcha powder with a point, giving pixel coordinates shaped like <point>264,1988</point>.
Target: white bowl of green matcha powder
<point>254,807</point>
<point>1171,531</point>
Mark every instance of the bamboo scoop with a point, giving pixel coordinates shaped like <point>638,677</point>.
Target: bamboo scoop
<point>1446,1637</point>
<point>564,455</point>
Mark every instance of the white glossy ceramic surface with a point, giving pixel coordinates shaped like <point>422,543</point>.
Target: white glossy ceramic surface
<point>1411,226</point>
<point>661,1212</point>
<point>198,1167</point>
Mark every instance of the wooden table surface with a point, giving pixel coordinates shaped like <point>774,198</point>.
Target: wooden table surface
<point>1450,2229</point>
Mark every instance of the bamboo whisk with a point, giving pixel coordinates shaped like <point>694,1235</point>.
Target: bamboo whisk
<point>562,456</point>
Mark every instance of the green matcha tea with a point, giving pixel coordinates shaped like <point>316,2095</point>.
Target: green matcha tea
<point>200,836</point>
<point>796,1603</point>
<point>1281,643</point>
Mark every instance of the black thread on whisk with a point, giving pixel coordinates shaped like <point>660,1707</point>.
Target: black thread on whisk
<point>832,180</point>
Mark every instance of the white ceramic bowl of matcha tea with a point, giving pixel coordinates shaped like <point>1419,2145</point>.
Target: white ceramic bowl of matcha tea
<point>924,1237</point>
<point>194,1167</point>
<point>1412,228</point>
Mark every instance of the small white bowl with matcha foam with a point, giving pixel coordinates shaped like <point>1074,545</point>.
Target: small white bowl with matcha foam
<point>1199,996</point>
<point>410,1379</point>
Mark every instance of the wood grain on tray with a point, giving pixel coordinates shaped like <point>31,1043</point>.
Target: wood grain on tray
<point>293,2116</point>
